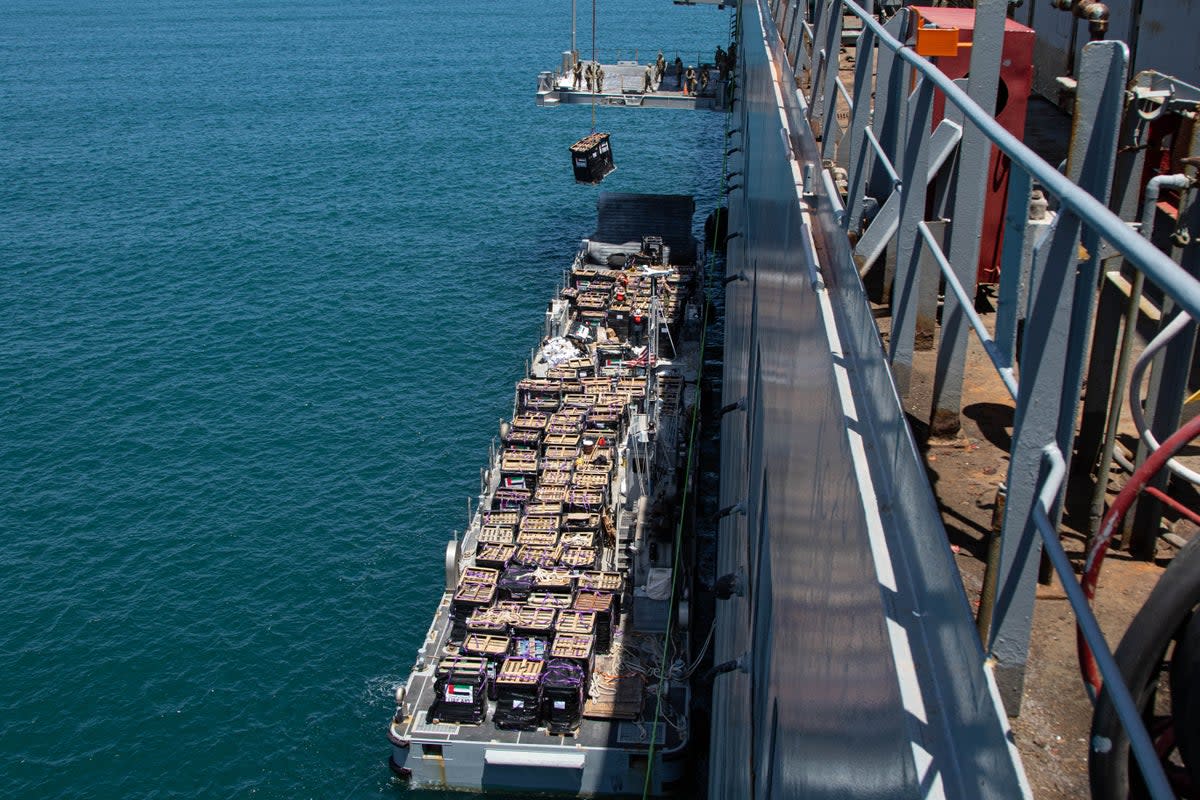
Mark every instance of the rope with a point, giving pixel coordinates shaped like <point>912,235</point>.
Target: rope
<point>691,451</point>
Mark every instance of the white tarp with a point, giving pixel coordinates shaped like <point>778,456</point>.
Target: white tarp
<point>533,758</point>
<point>658,583</point>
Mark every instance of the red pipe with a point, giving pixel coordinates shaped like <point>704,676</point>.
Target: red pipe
<point>1108,526</point>
<point>1177,506</point>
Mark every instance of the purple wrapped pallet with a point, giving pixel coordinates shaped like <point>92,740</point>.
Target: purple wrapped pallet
<point>516,582</point>
<point>563,690</point>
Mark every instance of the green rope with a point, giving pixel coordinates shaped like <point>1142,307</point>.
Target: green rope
<point>695,425</point>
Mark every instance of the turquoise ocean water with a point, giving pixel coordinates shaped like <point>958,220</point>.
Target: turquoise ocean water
<point>268,271</point>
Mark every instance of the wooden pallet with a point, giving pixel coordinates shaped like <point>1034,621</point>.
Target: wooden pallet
<point>552,487</point>
<point>534,620</point>
<point>578,646</point>
<point>530,421</point>
<point>597,581</point>
<point>502,518</point>
<point>475,593</point>
<point>571,621</point>
<point>570,539</point>
<point>481,644</point>
<point>479,575</point>
<point>520,671</point>
<point>579,557</point>
<point>582,521</point>
<point>600,602</point>
<point>497,534</point>
<point>539,523</point>
<point>564,441</point>
<point>536,556</point>
<point>550,600</point>
<point>497,555</point>
<point>625,704</point>
<point>471,666</point>
<point>553,579</point>
<point>540,539</point>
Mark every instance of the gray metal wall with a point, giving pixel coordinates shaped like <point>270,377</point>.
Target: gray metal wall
<point>825,706</point>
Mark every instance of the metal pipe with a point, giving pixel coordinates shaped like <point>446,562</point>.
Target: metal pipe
<point>991,570</point>
<point>1135,406</point>
<point>1149,209</point>
<point>1007,376</point>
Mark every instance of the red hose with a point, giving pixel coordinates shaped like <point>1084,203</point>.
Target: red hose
<point>1108,526</point>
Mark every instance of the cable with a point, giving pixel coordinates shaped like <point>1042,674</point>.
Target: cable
<point>595,72</point>
<point>703,649</point>
<point>691,452</point>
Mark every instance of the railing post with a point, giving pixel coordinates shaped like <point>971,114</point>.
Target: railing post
<point>914,172</point>
<point>820,60</point>
<point>891,91</point>
<point>1009,308</point>
<point>860,116</point>
<point>1062,292</point>
<point>829,92</point>
<point>970,194</point>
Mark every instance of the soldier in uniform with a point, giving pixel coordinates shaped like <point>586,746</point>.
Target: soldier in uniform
<point>648,80</point>
<point>578,71</point>
<point>589,76</point>
<point>599,79</point>
<point>719,60</point>
<point>703,79</point>
<point>660,67</point>
<point>679,72</point>
<point>690,86</point>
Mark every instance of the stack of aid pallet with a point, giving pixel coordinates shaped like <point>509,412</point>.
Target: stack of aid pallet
<point>476,589</point>
<point>519,693</point>
<point>460,690</point>
<point>601,603</point>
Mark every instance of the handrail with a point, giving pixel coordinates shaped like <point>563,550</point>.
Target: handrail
<point>1165,272</point>
<point>1079,211</point>
<point>1139,739</point>
<point>989,344</point>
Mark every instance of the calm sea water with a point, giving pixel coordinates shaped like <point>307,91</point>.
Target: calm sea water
<point>268,271</point>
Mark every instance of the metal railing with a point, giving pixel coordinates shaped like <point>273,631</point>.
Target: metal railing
<point>891,159</point>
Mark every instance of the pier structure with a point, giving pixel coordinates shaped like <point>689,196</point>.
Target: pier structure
<point>859,667</point>
<point>623,85</point>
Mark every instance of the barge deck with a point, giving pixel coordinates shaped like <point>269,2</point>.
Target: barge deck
<point>554,662</point>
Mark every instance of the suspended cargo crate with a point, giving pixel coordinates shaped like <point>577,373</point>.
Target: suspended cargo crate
<point>592,158</point>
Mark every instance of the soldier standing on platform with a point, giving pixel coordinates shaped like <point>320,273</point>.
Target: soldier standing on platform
<point>660,67</point>
<point>599,79</point>
<point>719,60</point>
<point>588,76</point>
<point>648,80</point>
<point>578,70</point>
<point>703,79</point>
<point>679,72</point>
<point>690,86</point>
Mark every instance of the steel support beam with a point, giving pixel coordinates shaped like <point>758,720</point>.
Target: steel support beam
<point>969,197</point>
<point>1062,293</point>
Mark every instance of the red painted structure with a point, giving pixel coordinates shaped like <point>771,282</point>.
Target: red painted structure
<point>1012,101</point>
